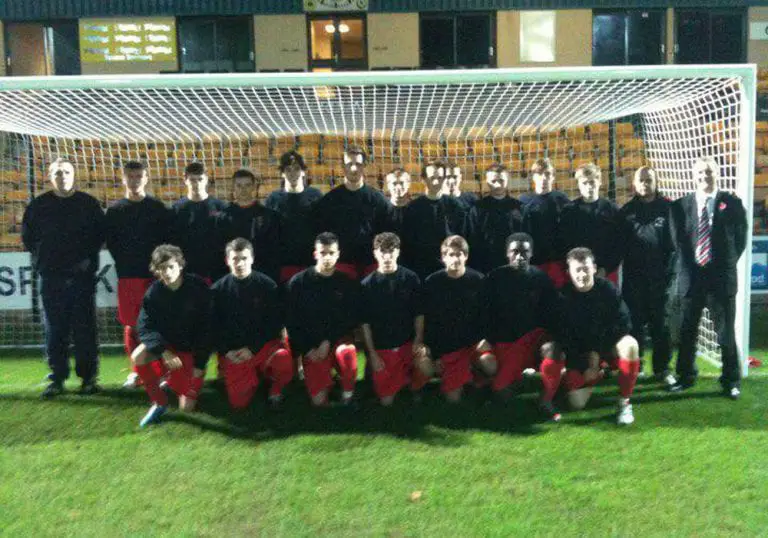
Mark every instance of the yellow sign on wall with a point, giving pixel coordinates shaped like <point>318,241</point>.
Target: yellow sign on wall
<point>148,39</point>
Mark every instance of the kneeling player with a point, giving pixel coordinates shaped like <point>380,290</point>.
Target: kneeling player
<point>595,325</point>
<point>173,328</point>
<point>322,308</point>
<point>453,318</point>
<point>522,303</point>
<point>246,324</point>
<point>393,325</point>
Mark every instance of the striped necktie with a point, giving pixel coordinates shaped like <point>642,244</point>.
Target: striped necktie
<point>704,241</point>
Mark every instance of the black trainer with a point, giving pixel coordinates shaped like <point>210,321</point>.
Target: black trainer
<point>89,388</point>
<point>53,389</point>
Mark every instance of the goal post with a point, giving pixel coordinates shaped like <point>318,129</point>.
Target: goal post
<point>618,117</point>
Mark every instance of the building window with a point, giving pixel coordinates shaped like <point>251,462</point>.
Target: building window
<point>458,40</point>
<point>537,36</point>
<point>216,44</point>
<point>628,37</point>
<point>710,36</point>
<point>337,42</point>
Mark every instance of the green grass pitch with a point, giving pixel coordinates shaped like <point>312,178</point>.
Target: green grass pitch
<point>691,465</point>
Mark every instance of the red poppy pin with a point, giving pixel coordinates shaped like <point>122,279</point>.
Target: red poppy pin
<point>722,206</point>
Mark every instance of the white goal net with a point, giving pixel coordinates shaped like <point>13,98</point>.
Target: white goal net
<point>617,118</point>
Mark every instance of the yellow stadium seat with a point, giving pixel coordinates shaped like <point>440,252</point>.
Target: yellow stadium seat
<point>576,131</point>
<point>761,127</point>
<point>598,130</point>
<point>632,144</point>
<point>332,151</point>
<point>456,148</point>
<point>432,150</point>
<point>761,180</point>
<point>625,129</point>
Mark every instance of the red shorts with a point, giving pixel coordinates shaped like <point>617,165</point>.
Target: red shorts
<point>398,371</point>
<point>318,374</point>
<point>130,292</point>
<point>556,271</point>
<point>242,378</point>
<point>574,379</point>
<point>181,380</point>
<point>457,368</point>
<point>356,271</point>
<point>514,357</point>
<point>287,272</point>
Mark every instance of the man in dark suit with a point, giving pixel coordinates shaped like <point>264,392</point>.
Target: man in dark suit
<point>709,232</point>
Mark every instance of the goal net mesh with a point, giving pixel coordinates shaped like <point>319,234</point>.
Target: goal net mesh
<point>619,124</point>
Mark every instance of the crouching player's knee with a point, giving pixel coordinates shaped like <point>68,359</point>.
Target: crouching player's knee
<point>628,348</point>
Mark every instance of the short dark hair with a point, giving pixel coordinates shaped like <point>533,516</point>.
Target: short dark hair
<point>134,165</point>
<point>522,237</point>
<point>291,157</point>
<point>588,170</point>
<point>59,161</point>
<point>244,172</point>
<point>195,168</point>
<point>238,245</point>
<point>327,238</point>
<point>398,171</point>
<point>386,241</point>
<point>436,163</point>
<point>455,241</point>
<point>539,165</point>
<point>356,150</point>
<point>165,253</point>
<point>496,168</point>
<point>579,254</point>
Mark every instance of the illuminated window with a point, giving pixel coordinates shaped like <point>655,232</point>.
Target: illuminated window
<point>537,36</point>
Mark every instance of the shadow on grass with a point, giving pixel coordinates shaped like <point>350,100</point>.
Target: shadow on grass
<point>115,412</point>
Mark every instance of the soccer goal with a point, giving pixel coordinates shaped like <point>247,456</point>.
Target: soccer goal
<point>618,118</point>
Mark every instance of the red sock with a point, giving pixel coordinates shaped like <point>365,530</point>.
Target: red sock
<point>194,387</point>
<point>130,340</point>
<point>346,361</point>
<point>551,373</point>
<point>149,377</point>
<point>628,371</point>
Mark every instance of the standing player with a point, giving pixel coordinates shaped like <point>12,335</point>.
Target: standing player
<point>194,226</point>
<point>322,313</point>
<point>491,221</point>
<point>595,326</point>
<point>246,326</point>
<point>453,186</point>
<point>428,220</point>
<point>135,225</point>
<point>709,230</point>
<point>398,187</point>
<point>294,204</point>
<point>593,222</point>
<point>393,325</point>
<point>541,215</point>
<point>647,268</point>
<point>354,212</point>
<point>454,313</point>
<point>63,230</point>
<point>522,305</point>
<point>173,328</point>
<point>247,218</point>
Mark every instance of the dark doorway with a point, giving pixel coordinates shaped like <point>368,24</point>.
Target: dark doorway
<point>710,36</point>
<point>457,40</point>
<point>628,37</point>
<point>216,44</point>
